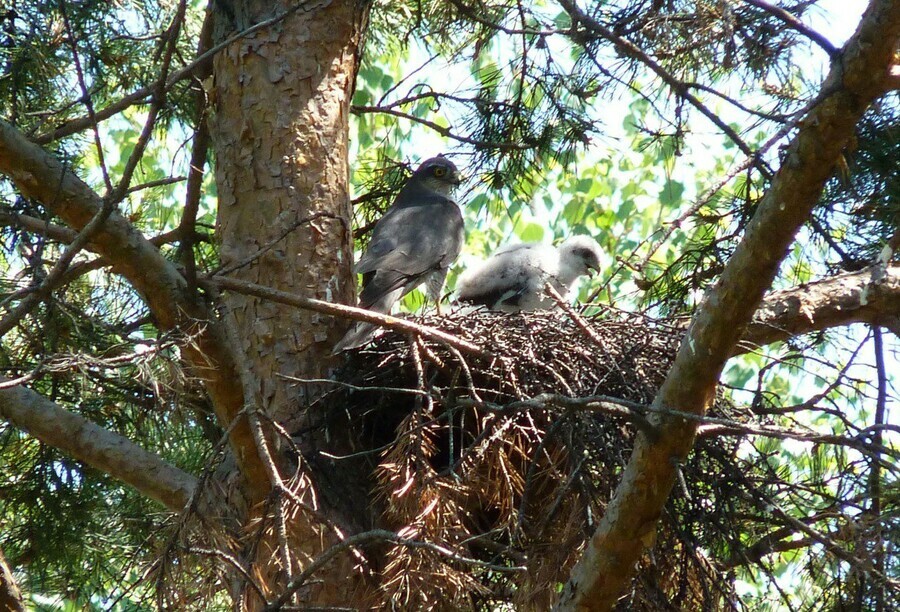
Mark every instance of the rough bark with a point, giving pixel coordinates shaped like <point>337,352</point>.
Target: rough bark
<point>868,296</point>
<point>629,524</point>
<point>280,133</point>
<point>10,595</point>
<point>104,450</point>
<point>41,176</point>
<point>893,80</point>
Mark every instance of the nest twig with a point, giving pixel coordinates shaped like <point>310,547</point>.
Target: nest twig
<point>512,459</point>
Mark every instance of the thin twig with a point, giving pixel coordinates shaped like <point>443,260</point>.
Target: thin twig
<point>136,97</point>
<point>233,562</point>
<point>680,88</point>
<point>85,95</point>
<point>375,535</point>
<point>445,131</point>
<point>21,380</point>
<point>339,383</point>
<point>829,544</point>
<point>284,548</point>
<point>347,312</point>
<point>34,295</point>
<point>576,318</point>
<point>169,180</point>
<point>249,383</point>
<point>628,410</point>
<point>158,99</point>
<point>797,25</point>
<point>878,440</point>
<point>272,243</point>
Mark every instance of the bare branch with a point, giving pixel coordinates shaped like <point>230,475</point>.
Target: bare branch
<point>37,226</point>
<point>875,492</point>
<point>855,297</point>
<point>631,412</point>
<point>347,312</point>
<point>828,543</point>
<point>100,448</point>
<point>63,234</point>
<point>442,130</point>
<point>199,150</point>
<point>251,403</point>
<point>796,24</point>
<point>86,96</point>
<point>158,98</point>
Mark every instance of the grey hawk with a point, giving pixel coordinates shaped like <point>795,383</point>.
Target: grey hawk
<point>415,242</point>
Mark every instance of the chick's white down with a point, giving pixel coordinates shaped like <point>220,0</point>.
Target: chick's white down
<point>513,278</point>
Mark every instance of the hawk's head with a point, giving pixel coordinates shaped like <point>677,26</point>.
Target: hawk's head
<point>438,174</point>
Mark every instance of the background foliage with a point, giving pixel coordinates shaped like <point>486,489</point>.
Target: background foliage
<point>660,148</point>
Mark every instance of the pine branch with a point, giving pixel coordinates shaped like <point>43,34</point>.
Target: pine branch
<point>100,448</point>
<point>867,296</point>
<point>41,176</point>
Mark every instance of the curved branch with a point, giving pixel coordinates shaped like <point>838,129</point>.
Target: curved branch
<point>37,226</point>
<point>41,176</point>
<point>796,24</point>
<point>631,516</point>
<point>100,448</point>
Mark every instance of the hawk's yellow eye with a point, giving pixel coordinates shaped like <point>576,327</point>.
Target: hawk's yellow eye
<point>440,172</point>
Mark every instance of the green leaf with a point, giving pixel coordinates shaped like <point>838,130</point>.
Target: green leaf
<point>531,232</point>
<point>670,194</point>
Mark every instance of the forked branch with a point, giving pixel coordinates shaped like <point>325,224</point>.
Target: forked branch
<point>40,175</point>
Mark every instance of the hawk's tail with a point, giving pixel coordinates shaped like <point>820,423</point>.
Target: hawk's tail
<point>356,336</point>
<point>362,332</point>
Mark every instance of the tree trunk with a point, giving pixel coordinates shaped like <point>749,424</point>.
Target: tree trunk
<point>280,130</point>
<point>10,595</point>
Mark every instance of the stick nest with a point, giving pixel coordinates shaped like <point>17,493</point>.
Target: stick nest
<point>489,460</point>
